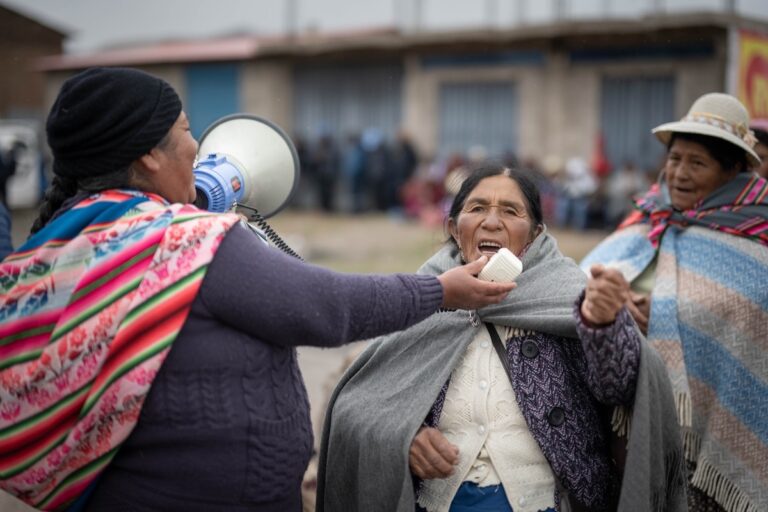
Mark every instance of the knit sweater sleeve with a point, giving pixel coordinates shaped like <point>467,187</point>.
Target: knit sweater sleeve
<point>259,290</point>
<point>613,356</point>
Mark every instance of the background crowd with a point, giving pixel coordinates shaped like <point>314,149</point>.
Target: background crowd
<point>368,172</point>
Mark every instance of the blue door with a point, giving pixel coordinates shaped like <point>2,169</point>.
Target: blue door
<point>213,91</point>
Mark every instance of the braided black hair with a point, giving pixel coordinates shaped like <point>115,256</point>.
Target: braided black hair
<point>63,188</point>
<point>60,190</point>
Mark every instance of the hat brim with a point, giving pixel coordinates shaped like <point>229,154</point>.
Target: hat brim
<point>664,133</point>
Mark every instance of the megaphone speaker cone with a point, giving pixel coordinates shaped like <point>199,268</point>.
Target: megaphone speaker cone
<point>262,153</point>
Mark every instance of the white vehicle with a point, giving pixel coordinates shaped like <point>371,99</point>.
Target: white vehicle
<point>25,187</point>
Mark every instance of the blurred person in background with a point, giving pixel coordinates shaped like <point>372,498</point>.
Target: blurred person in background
<point>425,195</point>
<point>148,347</point>
<point>445,416</point>
<point>8,163</point>
<point>7,169</point>
<point>326,164</point>
<point>621,188</point>
<point>404,159</point>
<point>760,129</point>
<point>304,196</point>
<point>6,245</point>
<point>578,184</point>
<point>353,168</point>
<point>694,253</point>
<point>552,170</point>
<point>377,167</point>
<point>544,181</point>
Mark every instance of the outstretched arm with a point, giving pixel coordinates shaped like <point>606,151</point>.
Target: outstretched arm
<point>281,300</point>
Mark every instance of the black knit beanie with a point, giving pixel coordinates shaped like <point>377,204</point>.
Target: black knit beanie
<point>105,118</point>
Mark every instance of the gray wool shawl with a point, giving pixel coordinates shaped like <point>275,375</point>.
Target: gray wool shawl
<point>383,398</point>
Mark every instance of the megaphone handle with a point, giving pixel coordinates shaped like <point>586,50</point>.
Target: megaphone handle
<point>274,237</point>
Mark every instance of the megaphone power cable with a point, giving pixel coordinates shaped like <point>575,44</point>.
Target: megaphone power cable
<point>271,234</point>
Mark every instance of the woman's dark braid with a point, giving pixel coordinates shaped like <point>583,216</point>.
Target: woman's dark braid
<point>63,188</point>
<point>60,190</point>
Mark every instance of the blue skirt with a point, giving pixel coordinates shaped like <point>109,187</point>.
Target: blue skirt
<point>471,498</point>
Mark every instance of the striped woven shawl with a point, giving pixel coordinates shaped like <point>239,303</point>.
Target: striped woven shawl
<point>90,306</point>
<point>709,322</point>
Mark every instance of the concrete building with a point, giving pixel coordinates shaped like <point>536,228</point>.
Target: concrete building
<point>532,90</point>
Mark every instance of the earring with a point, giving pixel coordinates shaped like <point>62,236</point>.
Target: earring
<point>461,252</point>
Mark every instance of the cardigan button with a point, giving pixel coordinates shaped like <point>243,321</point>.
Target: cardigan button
<point>529,349</point>
<point>556,416</point>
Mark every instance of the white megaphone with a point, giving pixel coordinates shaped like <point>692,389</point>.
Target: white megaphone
<point>244,160</point>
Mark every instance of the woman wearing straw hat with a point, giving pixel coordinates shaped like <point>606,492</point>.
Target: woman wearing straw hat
<point>694,253</point>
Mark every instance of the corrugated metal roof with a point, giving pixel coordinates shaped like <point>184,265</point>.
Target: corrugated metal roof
<point>238,48</point>
<point>250,47</point>
<point>211,50</point>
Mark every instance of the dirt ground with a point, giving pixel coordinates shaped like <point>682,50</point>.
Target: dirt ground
<point>381,243</point>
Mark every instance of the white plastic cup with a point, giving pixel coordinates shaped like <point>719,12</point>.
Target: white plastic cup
<point>503,267</point>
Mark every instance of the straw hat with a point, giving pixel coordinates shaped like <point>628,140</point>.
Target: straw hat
<point>717,115</point>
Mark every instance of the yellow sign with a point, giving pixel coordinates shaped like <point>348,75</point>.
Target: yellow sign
<point>753,73</point>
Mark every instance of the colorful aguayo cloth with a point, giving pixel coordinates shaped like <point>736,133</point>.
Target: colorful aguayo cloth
<point>709,322</point>
<point>89,308</point>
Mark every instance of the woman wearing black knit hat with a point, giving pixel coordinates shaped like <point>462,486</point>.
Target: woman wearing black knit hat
<point>138,368</point>
<point>111,128</point>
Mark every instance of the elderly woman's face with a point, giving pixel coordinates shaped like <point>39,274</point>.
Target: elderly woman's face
<point>494,216</point>
<point>693,174</point>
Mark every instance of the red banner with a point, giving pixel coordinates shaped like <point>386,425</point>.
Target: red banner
<point>753,73</point>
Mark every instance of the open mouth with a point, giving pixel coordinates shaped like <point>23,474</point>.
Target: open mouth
<point>488,247</point>
<point>683,195</point>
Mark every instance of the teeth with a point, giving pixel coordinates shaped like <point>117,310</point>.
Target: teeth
<point>490,244</point>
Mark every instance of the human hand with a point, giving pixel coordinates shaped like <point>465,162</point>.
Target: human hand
<point>431,454</point>
<point>639,306</point>
<point>607,291</point>
<point>463,290</point>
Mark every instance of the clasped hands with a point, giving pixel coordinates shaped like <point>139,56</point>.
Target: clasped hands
<point>606,292</point>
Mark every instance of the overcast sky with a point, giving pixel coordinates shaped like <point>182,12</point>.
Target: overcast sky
<point>94,24</point>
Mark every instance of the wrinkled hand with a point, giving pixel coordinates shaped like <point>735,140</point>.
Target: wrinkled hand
<point>639,306</point>
<point>463,290</point>
<point>607,291</point>
<point>432,455</point>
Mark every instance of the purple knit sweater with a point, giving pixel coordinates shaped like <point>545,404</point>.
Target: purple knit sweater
<point>226,425</point>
